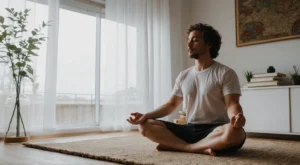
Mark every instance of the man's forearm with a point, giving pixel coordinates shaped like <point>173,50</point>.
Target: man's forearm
<point>162,111</point>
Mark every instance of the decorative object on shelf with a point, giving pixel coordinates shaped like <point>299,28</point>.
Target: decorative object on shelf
<point>271,69</point>
<point>295,76</point>
<point>18,50</point>
<point>266,21</point>
<point>248,75</point>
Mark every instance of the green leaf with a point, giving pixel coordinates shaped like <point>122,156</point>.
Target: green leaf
<point>29,69</point>
<point>4,26</point>
<point>1,19</point>
<point>20,64</point>
<point>42,39</point>
<point>32,53</point>
<point>18,50</point>
<point>11,19</point>
<point>23,73</point>
<point>26,11</point>
<point>8,10</point>
<point>4,34</point>
<point>32,47</point>
<point>33,33</point>
<point>12,47</point>
<point>27,59</point>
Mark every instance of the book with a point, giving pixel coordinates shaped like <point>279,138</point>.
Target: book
<point>180,121</point>
<point>269,74</point>
<point>263,79</point>
<point>263,84</point>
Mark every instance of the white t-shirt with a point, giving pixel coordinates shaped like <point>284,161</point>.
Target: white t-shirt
<point>203,92</point>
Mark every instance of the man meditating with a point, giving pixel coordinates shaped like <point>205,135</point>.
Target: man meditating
<point>210,94</point>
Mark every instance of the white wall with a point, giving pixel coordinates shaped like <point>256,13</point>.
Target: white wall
<point>221,15</point>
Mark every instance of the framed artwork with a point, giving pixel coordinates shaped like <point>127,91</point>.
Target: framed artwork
<point>261,21</point>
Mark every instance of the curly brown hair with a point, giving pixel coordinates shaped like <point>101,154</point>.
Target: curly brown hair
<point>210,36</point>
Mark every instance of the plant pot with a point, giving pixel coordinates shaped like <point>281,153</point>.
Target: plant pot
<point>296,80</point>
<point>16,139</point>
<point>248,79</point>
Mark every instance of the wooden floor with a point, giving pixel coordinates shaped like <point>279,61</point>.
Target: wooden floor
<point>16,154</point>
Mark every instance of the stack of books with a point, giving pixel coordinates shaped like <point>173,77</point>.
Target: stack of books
<point>182,118</point>
<point>267,79</point>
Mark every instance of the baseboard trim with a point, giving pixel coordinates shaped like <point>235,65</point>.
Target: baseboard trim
<point>274,136</point>
<point>58,135</point>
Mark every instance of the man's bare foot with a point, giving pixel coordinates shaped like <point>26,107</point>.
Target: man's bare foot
<point>161,147</point>
<point>209,151</point>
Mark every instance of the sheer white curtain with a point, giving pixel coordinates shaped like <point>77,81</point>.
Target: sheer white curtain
<point>135,63</point>
<point>38,114</point>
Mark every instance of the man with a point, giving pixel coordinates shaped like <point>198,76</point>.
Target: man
<point>210,92</point>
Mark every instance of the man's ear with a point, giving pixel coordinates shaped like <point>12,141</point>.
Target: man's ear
<point>209,45</point>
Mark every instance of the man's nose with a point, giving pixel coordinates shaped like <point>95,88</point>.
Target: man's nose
<point>190,44</point>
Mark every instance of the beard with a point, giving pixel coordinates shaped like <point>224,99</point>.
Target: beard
<point>195,56</point>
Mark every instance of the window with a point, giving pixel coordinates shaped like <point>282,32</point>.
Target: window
<point>76,69</point>
<point>118,56</point>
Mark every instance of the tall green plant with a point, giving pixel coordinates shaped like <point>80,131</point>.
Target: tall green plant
<point>18,51</point>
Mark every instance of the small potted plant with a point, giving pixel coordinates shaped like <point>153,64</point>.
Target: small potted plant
<point>248,75</point>
<point>295,76</point>
<point>271,69</point>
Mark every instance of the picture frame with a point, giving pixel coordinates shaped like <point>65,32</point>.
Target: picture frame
<point>262,21</point>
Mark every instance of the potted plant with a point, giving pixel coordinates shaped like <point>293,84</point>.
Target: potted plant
<point>295,76</point>
<point>271,69</point>
<point>248,75</point>
<point>17,51</point>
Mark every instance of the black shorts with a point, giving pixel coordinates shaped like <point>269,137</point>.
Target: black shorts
<point>192,133</point>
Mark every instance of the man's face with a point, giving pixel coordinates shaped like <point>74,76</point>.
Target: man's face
<point>195,44</point>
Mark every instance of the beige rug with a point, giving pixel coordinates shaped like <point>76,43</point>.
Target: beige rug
<point>137,150</point>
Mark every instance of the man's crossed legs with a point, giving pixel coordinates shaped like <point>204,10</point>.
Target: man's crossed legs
<point>191,138</point>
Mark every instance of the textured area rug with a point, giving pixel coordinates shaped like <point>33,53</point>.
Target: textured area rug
<point>137,150</point>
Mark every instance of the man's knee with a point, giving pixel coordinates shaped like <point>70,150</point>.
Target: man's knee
<point>233,136</point>
<point>143,127</point>
<point>148,126</point>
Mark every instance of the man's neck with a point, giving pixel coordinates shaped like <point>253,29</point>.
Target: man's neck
<point>203,62</point>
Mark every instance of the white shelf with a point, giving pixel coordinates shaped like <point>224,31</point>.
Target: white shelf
<point>271,87</point>
<point>272,109</point>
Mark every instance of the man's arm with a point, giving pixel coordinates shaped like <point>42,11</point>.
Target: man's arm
<point>234,110</point>
<point>165,109</point>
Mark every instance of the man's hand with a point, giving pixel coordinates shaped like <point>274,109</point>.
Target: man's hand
<point>136,118</point>
<point>238,120</point>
